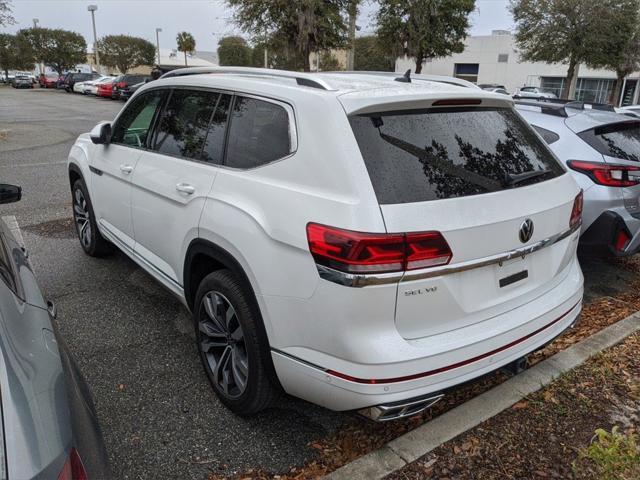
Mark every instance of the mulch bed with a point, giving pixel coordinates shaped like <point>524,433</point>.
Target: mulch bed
<point>359,436</point>
<point>543,435</point>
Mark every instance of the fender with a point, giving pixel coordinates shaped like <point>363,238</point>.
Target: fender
<point>222,259</point>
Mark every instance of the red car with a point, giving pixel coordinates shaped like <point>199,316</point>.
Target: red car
<point>48,80</point>
<point>105,89</point>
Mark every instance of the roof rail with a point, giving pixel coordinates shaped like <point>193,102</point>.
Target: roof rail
<point>581,105</point>
<point>419,76</point>
<point>303,79</point>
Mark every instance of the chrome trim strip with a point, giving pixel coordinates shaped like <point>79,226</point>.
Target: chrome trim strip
<point>366,280</point>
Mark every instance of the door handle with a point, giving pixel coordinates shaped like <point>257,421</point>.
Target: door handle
<point>126,169</point>
<point>185,188</point>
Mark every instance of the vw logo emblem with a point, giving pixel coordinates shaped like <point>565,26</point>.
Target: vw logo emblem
<point>526,230</point>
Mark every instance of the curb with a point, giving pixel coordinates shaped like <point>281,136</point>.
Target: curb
<point>414,444</point>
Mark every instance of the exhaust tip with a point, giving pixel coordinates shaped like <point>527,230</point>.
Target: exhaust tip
<point>401,409</point>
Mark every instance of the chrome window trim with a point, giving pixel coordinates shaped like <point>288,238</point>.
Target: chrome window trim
<point>366,280</point>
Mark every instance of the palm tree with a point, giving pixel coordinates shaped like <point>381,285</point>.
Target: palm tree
<point>186,44</point>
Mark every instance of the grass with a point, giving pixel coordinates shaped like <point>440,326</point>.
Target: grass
<point>611,456</point>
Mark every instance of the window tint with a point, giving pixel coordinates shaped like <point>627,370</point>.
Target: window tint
<point>548,135</point>
<point>415,156</point>
<point>133,125</point>
<point>619,140</point>
<point>182,128</point>
<point>258,133</point>
<point>214,144</point>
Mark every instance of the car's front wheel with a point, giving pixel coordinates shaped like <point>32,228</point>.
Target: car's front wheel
<point>84,219</point>
<point>233,352</point>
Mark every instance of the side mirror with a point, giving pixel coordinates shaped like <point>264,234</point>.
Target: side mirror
<point>10,193</point>
<point>101,133</point>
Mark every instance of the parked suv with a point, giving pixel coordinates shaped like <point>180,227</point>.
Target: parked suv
<point>602,149</point>
<point>125,82</point>
<point>363,241</point>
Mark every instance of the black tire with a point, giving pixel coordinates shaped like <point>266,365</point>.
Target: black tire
<point>247,351</point>
<point>84,220</point>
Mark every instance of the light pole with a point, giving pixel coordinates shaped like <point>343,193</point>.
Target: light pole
<point>158,30</point>
<point>41,65</point>
<point>92,9</point>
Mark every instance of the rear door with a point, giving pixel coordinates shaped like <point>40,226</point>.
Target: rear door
<point>172,180</point>
<point>482,178</point>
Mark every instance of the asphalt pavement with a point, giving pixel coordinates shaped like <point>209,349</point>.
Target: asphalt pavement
<point>132,339</point>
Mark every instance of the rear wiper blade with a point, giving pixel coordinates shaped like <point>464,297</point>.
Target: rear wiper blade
<point>512,180</point>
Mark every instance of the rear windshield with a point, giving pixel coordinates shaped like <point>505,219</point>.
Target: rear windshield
<point>420,155</point>
<point>619,140</point>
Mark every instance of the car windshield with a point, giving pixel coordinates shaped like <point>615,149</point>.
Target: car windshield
<point>618,140</point>
<point>419,155</point>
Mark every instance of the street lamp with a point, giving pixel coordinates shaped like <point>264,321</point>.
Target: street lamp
<point>41,65</point>
<point>158,30</point>
<point>92,9</point>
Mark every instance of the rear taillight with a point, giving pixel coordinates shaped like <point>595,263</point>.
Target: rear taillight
<point>73,468</point>
<point>576,211</point>
<point>607,174</point>
<point>357,252</point>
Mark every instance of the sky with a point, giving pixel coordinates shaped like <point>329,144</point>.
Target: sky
<point>207,20</point>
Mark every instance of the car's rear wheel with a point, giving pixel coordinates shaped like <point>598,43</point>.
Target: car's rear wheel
<point>84,219</point>
<point>231,348</point>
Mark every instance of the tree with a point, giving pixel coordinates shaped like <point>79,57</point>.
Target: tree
<point>186,43</point>
<point>303,26</point>
<point>125,52</point>
<point>623,52</point>
<point>15,53</point>
<point>424,29</point>
<point>5,13</point>
<point>565,31</point>
<point>59,49</point>
<point>234,51</point>
<point>371,56</point>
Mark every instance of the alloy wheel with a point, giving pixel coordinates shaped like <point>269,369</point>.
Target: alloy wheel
<point>82,218</point>
<point>222,343</point>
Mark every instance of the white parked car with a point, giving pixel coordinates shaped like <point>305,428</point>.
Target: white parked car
<point>362,241</point>
<point>91,87</point>
<point>534,92</point>
<point>86,86</point>
<point>602,150</point>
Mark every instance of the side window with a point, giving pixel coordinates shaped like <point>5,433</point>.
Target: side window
<point>258,133</point>
<point>548,135</point>
<point>184,122</point>
<point>132,128</point>
<point>214,144</point>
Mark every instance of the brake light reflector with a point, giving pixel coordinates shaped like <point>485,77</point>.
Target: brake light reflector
<point>622,239</point>
<point>576,211</point>
<point>358,252</point>
<point>607,174</point>
<point>73,468</point>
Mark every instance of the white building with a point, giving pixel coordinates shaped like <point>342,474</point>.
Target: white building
<point>493,59</point>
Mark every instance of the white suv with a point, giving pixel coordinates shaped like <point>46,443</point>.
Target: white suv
<point>360,240</point>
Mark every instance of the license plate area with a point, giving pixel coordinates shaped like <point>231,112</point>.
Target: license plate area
<point>513,278</point>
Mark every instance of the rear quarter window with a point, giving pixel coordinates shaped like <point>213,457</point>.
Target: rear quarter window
<point>258,133</point>
<point>416,156</point>
<point>618,140</point>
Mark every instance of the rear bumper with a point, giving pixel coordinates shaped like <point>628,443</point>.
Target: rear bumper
<point>432,364</point>
<point>602,236</point>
